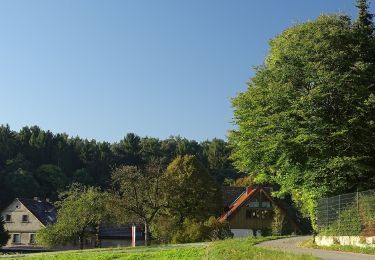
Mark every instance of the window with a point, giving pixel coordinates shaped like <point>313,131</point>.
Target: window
<point>25,218</point>
<point>16,239</point>
<point>266,204</point>
<point>251,213</point>
<point>32,238</point>
<point>266,214</point>
<point>8,218</point>
<point>253,204</point>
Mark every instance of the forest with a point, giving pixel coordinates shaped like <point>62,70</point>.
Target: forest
<point>39,163</point>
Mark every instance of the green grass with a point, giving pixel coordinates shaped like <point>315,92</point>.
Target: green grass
<point>353,249</point>
<point>227,249</point>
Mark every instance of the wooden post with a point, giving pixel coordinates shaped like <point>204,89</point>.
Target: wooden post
<point>133,235</point>
<point>339,215</point>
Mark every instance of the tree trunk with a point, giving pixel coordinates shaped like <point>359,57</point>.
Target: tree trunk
<point>81,243</point>
<point>97,238</point>
<point>146,233</point>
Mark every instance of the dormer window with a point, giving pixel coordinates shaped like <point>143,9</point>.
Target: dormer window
<point>8,218</point>
<point>25,218</point>
<point>266,204</point>
<point>253,204</point>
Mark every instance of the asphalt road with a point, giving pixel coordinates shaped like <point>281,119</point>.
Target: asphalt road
<point>291,245</point>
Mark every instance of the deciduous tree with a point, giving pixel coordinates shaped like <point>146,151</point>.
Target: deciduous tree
<point>4,235</point>
<point>191,190</point>
<point>79,209</point>
<point>138,194</point>
<point>306,120</point>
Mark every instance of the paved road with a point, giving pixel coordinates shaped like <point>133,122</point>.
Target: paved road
<point>291,245</point>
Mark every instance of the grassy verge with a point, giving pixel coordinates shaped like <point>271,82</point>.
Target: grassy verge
<point>227,249</point>
<point>245,249</point>
<point>353,249</point>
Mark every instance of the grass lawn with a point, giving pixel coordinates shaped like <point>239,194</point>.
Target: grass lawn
<point>227,249</point>
<point>354,249</point>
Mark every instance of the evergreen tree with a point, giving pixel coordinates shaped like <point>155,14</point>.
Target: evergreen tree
<point>4,235</point>
<point>364,19</point>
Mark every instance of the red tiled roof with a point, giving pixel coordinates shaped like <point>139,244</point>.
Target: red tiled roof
<point>250,191</point>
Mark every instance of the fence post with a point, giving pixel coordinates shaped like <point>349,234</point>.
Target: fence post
<point>357,201</point>
<point>339,215</point>
<point>327,219</point>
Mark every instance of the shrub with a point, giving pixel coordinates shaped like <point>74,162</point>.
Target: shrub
<point>278,222</point>
<point>166,230</point>
<point>218,230</point>
<point>163,228</point>
<point>367,214</point>
<point>4,235</point>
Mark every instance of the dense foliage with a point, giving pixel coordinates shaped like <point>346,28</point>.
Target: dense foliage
<point>191,195</point>
<point>138,195</point>
<point>39,163</point>
<point>4,235</point>
<point>175,202</point>
<point>79,210</point>
<point>307,119</point>
<point>191,191</point>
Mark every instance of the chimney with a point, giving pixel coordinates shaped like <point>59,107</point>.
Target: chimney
<point>248,189</point>
<point>48,200</point>
<point>36,198</point>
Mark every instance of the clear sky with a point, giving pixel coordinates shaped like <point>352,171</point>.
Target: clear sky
<point>101,69</point>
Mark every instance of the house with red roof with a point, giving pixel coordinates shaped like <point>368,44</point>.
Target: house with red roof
<point>251,211</point>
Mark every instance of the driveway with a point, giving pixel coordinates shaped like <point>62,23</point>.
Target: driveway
<point>291,245</point>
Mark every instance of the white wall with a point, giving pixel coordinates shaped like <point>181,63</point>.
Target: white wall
<point>16,226</point>
<point>242,232</point>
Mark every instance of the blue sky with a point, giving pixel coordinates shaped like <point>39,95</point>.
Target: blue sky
<point>101,69</point>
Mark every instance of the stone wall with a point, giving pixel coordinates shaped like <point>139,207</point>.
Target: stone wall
<point>345,241</point>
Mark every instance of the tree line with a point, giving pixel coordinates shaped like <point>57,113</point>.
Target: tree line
<point>177,204</point>
<point>39,163</point>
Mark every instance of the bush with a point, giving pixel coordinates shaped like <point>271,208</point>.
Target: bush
<point>163,228</point>
<point>217,230</point>
<point>4,235</point>
<point>191,231</point>
<point>167,230</point>
<point>367,214</point>
<point>278,222</point>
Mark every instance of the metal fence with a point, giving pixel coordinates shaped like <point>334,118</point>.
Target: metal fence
<point>351,214</point>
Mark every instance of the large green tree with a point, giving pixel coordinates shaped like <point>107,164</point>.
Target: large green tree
<point>35,162</point>
<point>191,191</point>
<point>307,119</point>
<point>80,209</point>
<point>138,194</point>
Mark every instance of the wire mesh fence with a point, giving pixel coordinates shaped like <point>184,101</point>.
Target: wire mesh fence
<point>351,214</point>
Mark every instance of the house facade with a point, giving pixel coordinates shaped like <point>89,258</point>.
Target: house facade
<point>251,210</point>
<point>24,217</point>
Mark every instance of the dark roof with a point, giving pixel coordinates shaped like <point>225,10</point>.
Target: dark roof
<point>44,211</point>
<point>119,232</point>
<point>230,194</point>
